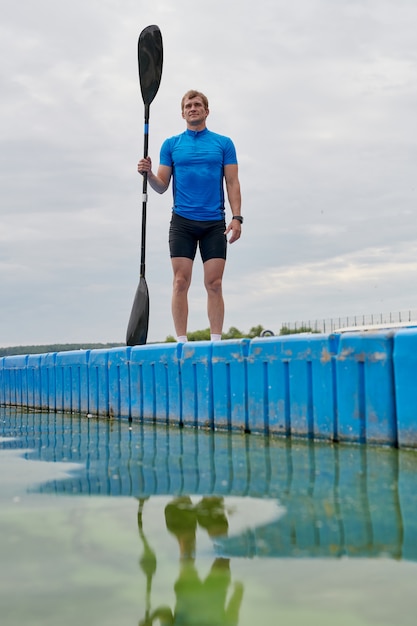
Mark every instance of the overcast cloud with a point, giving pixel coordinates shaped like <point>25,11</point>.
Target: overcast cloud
<point>319,97</point>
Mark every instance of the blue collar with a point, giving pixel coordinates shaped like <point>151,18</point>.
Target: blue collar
<point>196,133</point>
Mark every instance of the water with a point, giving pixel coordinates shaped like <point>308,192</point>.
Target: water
<point>102,522</point>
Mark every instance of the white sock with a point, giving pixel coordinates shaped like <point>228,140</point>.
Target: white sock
<point>182,338</point>
<point>214,337</point>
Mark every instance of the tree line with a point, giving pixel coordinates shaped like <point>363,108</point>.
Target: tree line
<point>55,347</point>
<point>235,333</point>
<point>197,335</point>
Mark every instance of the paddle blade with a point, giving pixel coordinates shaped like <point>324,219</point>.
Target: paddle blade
<point>150,58</point>
<point>137,329</point>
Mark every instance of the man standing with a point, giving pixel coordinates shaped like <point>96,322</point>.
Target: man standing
<point>198,161</point>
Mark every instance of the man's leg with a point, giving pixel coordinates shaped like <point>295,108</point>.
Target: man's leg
<point>182,268</point>
<point>213,276</point>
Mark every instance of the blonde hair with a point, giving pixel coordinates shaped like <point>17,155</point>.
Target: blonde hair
<point>192,93</point>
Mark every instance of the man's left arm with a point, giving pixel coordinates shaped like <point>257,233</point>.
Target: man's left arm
<point>231,177</point>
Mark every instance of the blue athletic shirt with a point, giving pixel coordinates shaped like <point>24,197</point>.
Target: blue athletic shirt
<point>197,159</point>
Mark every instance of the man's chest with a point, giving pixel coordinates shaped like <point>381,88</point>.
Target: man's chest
<point>197,153</point>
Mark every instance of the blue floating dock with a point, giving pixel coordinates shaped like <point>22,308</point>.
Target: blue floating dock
<point>358,387</point>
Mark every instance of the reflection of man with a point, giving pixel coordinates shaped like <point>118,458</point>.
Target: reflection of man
<point>200,602</point>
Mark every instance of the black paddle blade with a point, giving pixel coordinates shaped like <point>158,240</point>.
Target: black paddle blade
<point>150,58</point>
<point>137,329</point>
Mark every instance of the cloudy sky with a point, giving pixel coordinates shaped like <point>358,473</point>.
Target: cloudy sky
<point>320,98</point>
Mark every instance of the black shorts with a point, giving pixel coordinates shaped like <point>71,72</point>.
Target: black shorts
<point>185,234</point>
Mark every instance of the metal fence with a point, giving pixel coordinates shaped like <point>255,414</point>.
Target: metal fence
<point>399,318</point>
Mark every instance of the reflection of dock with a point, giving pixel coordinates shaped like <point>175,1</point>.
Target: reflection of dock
<point>339,500</point>
<point>350,386</point>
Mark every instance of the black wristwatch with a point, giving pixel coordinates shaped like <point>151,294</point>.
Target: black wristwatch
<point>239,218</point>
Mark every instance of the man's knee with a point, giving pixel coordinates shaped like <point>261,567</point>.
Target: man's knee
<point>213,284</point>
<point>181,282</point>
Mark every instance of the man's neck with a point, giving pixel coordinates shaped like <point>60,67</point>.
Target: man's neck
<point>196,127</point>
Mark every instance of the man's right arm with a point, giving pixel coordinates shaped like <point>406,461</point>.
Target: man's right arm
<point>160,182</point>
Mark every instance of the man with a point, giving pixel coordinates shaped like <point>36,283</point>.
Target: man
<point>198,161</point>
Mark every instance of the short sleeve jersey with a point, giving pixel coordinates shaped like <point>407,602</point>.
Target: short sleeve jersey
<point>197,159</point>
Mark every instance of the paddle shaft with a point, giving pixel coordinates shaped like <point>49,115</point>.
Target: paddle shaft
<point>144,191</point>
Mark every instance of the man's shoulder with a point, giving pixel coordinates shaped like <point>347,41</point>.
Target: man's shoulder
<point>218,136</point>
<point>173,140</point>
<point>226,145</point>
<point>176,137</point>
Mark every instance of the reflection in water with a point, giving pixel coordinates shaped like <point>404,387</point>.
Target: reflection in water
<point>198,601</point>
<point>339,500</point>
<point>147,565</point>
<point>233,494</point>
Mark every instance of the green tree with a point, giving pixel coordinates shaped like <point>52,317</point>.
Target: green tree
<point>255,331</point>
<point>232,333</point>
<point>285,330</point>
<point>199,335</point>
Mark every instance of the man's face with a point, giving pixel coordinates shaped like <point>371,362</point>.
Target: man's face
<point>194,111</point>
